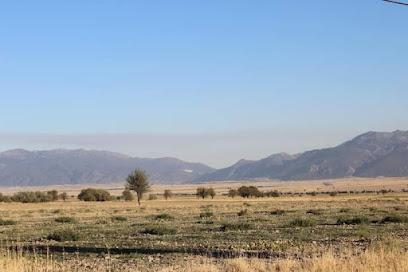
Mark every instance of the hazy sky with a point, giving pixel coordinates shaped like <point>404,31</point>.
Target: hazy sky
<point>211,81</point>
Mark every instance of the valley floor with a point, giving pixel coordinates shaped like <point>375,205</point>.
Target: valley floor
<point>346,232</point>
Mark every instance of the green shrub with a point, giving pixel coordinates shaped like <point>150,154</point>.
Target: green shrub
<point>31,197</point>
<point>65,220</point>
<point>358,220</point>
<point>92,194</point>
<point>127,195</point>
<point>7,222</point>
<point>159,230</point>
<point>302,222</point>
<point>272,194</point>
<point>249,191</point>
<point>64,235</point>
<point>53,195</point>
<point>4,198</point>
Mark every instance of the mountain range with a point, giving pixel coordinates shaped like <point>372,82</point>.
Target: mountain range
<point>372,154</point>
<point>30,168</point>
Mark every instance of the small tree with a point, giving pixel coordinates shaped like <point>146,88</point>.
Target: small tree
<point>63,196</point>
<point>53,195</point>
<point>202,192</point>
<point>127,195</point>
<point>168,194</point>
<point>232,193</point>
<point>139,183</point>
<point>211,192</point>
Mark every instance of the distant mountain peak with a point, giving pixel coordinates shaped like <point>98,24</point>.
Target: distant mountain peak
<point>370,154</point>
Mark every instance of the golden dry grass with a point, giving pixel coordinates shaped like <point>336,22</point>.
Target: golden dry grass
<point>372,260</point>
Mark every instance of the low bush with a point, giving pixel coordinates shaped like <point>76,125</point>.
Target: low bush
<point>7,222</point>
<point>344,210</point>
<point>206,214</point>
<point>159,230</point>
<point>4,198</point>
<point>92,194</point>
<point>278,212</point>
<point>358,220</point>
<point>314,212</point>
<point>65,220</point>
<point>302,222</point>
<point>64,236</point>
<point>394,219</point>
<point>243,212</point>
<point>163,216</point>
<point>235,226</point>
<point>127,195</point>
<point>249,191</point>
<point>33,197</point>
<point>119,218</point>
<point>153,197</point>
<point>272,194</point>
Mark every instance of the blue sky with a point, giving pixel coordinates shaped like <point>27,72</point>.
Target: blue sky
<point>213,81</point>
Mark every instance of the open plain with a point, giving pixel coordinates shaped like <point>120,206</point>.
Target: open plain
<point>185,233</point>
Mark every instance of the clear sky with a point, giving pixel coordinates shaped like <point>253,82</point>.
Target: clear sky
<point>211,81</point>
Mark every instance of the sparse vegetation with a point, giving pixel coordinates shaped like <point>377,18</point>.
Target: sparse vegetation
<point>64,235</point>
<point>394,219</point>
<point>302,222</point>
<point>159,230</point>
<point>153,197</point>
<point>357,220</point>
<point>163,216</point>
<point>226,227</point>
<point>278,212</point>
<point>119,218</point>
<point>8,222</point>
<point>65,219</point>
<point>243,212</point>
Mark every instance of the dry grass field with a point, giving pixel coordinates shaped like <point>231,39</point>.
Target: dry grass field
<point>293,232</point>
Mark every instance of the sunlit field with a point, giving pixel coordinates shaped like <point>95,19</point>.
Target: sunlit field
<point>352,231</point>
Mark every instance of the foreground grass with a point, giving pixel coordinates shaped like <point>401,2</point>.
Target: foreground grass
<point>372,260</point>
<point>188,234</point>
